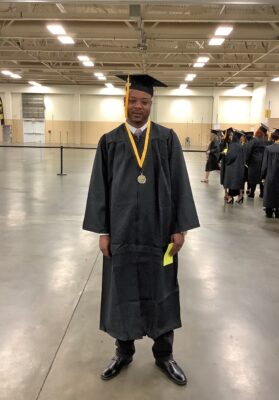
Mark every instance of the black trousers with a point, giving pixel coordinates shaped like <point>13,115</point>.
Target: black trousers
<point>162,347</point>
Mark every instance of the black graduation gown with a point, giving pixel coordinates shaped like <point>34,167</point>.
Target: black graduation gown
<point>245,146</point>
<point>234,171</point>
<point>213,156</point>
<point>254,157</point>
<point>222,159</point>
<point>270,172</point>
<point>139,296</point>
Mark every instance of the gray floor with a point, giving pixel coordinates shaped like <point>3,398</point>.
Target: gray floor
<point>50,345</point>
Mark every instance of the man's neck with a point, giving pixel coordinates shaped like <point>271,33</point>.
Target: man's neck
<point>136,124</point>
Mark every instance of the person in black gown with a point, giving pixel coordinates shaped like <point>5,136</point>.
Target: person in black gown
<point>248,136</point>
<point>140,201</point>
<point>234,170</point>
<point>213,154</point>
<point>270,173</point>
<point>254,158</point>
<point>224,147</point>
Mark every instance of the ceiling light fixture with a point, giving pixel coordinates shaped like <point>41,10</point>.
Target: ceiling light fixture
<point>102,78</point>
<point>66,39</point>
<point>88,63</point>
<point>56,29</point>
<point>5,72</point>
<point>34,83</point>
<point>199,65</point>
<point>183,86</point>
<point>15,76</point>
<point>109,85</point>
<point>216,41</point>
<point>223,30</point>
<point>242,86</point>
<point>98,74</point>
<point>203,59</point>
<point>276,79</point>
<point>83,58</point>
<point>190,77</point>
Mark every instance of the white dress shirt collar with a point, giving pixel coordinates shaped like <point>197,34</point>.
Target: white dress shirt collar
<point>133,129</point>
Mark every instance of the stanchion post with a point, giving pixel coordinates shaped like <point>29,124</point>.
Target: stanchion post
<point>61,161</point>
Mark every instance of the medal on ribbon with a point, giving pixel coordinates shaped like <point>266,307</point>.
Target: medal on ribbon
<point>140,160</point>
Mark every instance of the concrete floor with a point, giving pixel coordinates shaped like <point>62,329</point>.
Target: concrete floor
<point>50,345</point>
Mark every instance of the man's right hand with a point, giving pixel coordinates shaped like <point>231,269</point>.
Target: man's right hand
<point>104,244</point>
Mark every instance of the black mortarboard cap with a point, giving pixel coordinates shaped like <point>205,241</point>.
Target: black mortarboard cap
<point>249,135</point>
<point>237,133</point>
<point>216,131</point>
<point>144,83</point>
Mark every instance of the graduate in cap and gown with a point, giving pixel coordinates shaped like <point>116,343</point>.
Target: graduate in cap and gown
<point>254,157</point>
<point>213,154</point>
<point>270,173</point>
<point>140,202</point>
<point>248,136</point>
<point>234,170</point>
<point>224,147</point>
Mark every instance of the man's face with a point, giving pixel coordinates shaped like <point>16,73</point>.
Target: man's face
<point>139,106</point>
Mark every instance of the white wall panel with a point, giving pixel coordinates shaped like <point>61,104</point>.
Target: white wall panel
<point>59,107</point>
<point>101,108</point>
<point>258,105</point>
<point>272,98</point>
<point>234,110</point>
<point>183,110</point>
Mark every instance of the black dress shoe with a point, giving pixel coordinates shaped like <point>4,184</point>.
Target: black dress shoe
<point>173,371</point>
<point>114,367</point>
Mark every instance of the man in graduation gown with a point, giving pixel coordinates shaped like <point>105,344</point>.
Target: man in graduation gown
<point>140,201</point>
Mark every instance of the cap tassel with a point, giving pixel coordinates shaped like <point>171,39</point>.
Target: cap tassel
<point>127,96</point>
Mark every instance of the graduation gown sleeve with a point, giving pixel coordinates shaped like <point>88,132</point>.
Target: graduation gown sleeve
<point>96,217</point>
<point>184,210</point>
<point>264,165</point>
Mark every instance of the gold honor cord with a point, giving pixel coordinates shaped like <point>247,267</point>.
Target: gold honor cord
<point>140,161</point>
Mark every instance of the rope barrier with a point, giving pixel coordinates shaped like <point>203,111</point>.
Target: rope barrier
<point>73,148</point>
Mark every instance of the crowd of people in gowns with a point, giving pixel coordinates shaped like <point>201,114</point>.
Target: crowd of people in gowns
<point>246,160</point>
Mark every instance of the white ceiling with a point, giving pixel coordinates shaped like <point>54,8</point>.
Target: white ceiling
<point>159,38</point>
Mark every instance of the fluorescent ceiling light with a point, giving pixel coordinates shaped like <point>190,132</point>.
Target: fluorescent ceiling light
<point>15,76</point>
<point>203,59</point>
<point>102,78</point>
<point>66,39</point>
<point>199,65</point>
<point>5,72</point>
<point>276,79</point>
<point>98,74</point>
<point>216,41</point>
<point>242,86</point>
<point>34,83</point>
<point>88,63</point>
<point>190,77</point>
<point>183,86</point>
<point>83,58</point>
<point>56,29</point>
<point>109,85</point>
<point>223,30</point>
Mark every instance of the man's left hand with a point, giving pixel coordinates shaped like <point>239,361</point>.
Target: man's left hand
<point>178,240</point>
